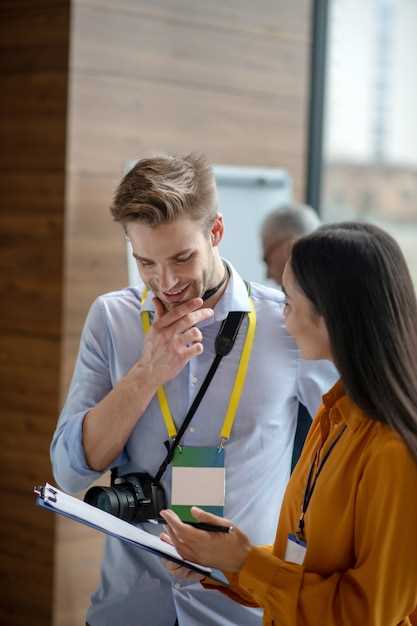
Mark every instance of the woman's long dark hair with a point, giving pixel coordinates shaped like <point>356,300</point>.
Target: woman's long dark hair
<point>356,277</point>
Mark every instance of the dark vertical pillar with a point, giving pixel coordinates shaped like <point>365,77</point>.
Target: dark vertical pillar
<point>33,115</point>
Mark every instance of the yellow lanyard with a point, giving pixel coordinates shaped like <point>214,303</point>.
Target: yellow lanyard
<point>238,384</point>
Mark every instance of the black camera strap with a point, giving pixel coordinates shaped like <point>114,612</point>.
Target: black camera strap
<point>223,345</point>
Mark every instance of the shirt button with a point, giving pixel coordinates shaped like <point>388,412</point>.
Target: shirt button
<point>192,429</point>
<point>177,586</point>
<point>194,380</point>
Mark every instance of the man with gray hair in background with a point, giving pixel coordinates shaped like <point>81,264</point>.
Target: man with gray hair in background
<point>281,228</point>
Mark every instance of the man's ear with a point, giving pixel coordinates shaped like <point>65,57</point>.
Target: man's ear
<point>217,230</point>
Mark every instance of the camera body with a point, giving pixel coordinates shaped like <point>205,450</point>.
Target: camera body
<point>134,497</point>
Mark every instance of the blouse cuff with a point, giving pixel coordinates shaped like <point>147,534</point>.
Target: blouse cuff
<point>272,581</point>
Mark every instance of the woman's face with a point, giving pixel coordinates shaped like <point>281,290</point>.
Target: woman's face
<point>303,323</point>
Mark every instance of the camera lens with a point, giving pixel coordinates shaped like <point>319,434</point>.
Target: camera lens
<point>132,497</point>
<point>104,502</point>
<point>128,503</point>
<point>104,498</point>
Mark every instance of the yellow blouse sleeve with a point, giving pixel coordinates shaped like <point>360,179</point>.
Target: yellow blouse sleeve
<point>234,590</point>
<point>381,588</point>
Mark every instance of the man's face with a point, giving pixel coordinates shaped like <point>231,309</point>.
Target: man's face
<point>176,260</point>
<point>275,255</point>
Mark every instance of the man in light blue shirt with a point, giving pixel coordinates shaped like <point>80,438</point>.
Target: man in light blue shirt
<point>112,417</point>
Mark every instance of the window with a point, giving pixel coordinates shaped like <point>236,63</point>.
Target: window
<point>369,139</point>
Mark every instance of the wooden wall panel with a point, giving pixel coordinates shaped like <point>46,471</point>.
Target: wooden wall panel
<point>210,57</point>
<point>181,119</point>
<point>178,78</point>
<point>80,548</point>
<point>227,78</point>
<point>271,18</point>
<point>34,38</point>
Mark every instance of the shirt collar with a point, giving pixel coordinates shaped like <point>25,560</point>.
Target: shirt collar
<point>331,397</point>
<point>338,407</point>
<point>234,298</point>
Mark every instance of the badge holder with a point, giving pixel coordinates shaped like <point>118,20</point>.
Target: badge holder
<point>198,479</point>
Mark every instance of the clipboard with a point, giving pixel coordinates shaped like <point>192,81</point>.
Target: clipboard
<point>52,499</point>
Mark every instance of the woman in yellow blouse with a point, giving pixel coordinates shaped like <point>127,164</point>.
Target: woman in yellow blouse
<point>346,547</point>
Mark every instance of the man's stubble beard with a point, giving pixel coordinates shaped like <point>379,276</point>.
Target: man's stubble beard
<point>207,278</point>
<point>194,292</point>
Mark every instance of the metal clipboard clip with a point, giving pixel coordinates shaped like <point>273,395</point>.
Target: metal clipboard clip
<point>46,493</point>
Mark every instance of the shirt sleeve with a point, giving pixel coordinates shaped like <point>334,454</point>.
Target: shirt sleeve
<point>380,588</point>
<point>90,383</point>
<point>314,379</point>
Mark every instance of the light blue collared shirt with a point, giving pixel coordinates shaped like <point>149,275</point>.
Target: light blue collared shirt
<point>136,589</point>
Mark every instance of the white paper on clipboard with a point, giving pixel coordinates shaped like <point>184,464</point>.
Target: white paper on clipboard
<point>57,501</point>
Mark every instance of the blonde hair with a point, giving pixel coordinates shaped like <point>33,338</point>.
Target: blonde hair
<point>161,189</point>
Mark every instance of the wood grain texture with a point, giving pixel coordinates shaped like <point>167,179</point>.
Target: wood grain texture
<point>34,38</point>
<point>224,128</point>
<point>174,79</point>
<point>226,78</point>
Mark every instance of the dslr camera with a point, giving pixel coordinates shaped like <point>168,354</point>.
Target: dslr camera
<point>133,497</point>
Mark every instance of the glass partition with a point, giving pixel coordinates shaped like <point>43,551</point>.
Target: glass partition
<point>369,167</point>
